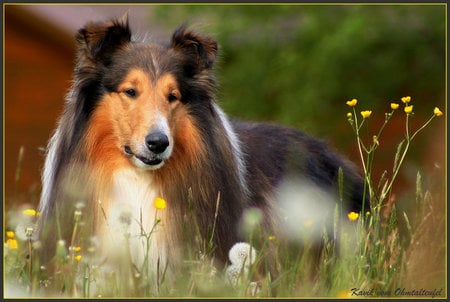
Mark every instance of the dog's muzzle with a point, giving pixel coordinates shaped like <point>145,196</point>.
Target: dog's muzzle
<point>155,152</point>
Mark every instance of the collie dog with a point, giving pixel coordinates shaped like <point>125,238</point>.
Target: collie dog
<point>141,122</point>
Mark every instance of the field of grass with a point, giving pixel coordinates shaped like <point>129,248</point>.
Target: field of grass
<point>387,252</point>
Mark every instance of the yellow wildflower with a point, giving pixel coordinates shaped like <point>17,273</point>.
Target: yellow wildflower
<point>76,248</point>
<point>349,114</point>
<point>10,234</point>
<point>437,111</point>
<point>29,212</point>
<point>366,113</point>
<point>271,238</point>
<point>406,99</point>
<point>352,103</point>
<point>344,294</point>
<point>352,216</point>
<point>409,109</point>
<point>11,244</point>
<point>78,258</point>
<point>394,106</point>
<point>159,203</point>
<point>308,223</point>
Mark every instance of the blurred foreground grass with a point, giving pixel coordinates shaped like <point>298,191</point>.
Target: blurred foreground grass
<point>384,252</point>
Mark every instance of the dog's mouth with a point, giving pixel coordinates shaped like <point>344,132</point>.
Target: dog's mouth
<point>149,161</point>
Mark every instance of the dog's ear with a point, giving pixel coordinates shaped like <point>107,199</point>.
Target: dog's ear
<point>199,50</point>
<point>100,40</point>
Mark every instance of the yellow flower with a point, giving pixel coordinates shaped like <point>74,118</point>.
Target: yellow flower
<point>406,99</point>
<point>271,238</point>
<point>344,294</point>
<point>77,249</point>
<point>30,212</point>
<point>10,234</point>
<point>11,244</point>
<point>408,109</point>
<point>352,103</point>
<point>352,216</point>
<point>78,258</point>
<point>394,106</point>
<point>308,223</point>
<point>366,113</point>
<point>437,111</point>
<point>349,114</point>
<point>159,203</point>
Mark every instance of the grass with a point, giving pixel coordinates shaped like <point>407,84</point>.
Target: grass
<point>387,252</point>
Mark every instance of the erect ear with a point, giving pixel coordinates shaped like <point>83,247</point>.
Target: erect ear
<point>98,41</point>
<point>199,50</point>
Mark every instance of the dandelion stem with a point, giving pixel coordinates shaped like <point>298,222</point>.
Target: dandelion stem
<point>30,263</point>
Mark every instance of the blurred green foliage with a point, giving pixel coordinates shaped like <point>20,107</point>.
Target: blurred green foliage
<point>298,64</point>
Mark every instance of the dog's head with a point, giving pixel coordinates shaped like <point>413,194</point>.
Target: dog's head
<point>137,95</point>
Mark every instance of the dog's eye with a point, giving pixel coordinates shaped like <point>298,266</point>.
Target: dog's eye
<point>131,92</point>
<point>172,97</point>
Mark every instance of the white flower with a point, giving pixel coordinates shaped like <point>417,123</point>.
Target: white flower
<point>120,218</point>
<point>233,273</point>
<point>242,254</point>
<point>24,229</point>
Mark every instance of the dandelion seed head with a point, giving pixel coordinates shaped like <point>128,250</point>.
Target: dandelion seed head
<point>235,273</point>
<point>251,219</point>
<point>80,205</point>
<point>120,217</point>
<point>61,250</point>
<point>24,230</point>
<point>242,254</point>
<point>29,232</point>
<point>305,209</point>
<point>61,243</point>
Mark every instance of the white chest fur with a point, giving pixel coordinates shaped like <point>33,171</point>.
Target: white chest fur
<point>132,229</point>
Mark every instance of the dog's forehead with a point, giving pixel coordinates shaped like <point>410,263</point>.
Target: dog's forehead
<point>154,59</point>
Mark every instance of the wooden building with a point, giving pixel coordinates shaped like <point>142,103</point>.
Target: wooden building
<point>38,62</point>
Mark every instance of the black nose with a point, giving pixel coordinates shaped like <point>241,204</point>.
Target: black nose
<point>157,142</point>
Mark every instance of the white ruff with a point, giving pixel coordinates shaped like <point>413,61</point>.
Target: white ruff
<point>130,220</point>
<point>236,147</point>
